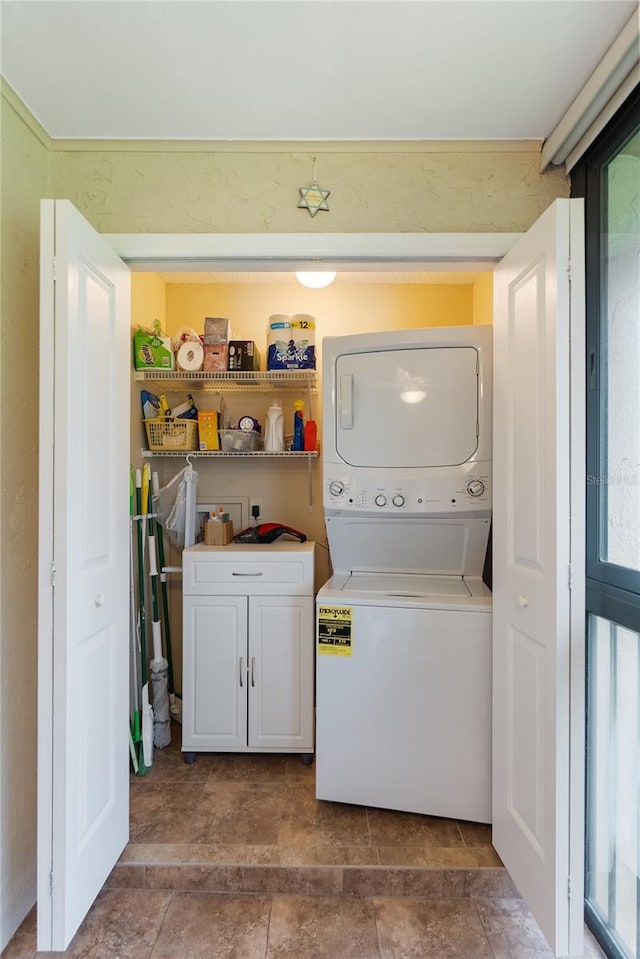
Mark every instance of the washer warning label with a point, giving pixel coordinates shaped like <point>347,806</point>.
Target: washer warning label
<point>334,630</point>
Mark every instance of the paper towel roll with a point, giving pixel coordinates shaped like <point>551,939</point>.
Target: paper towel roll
<point>190,357</point>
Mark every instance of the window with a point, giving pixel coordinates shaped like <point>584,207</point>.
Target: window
<point>609,179</point>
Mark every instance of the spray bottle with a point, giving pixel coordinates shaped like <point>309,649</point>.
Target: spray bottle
<point>298,426</point>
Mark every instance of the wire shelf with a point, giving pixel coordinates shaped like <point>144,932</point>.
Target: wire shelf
<point>249,454</point>
<point>234,381</point>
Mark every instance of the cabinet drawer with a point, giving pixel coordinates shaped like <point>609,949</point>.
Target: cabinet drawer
<point>242,572</point>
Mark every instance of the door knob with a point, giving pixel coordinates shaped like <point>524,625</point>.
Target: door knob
<point>523,601</point>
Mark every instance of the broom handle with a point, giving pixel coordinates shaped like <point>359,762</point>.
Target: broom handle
<point>155,485</point>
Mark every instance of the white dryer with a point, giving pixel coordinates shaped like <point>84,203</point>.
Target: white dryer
<point>403,666</point>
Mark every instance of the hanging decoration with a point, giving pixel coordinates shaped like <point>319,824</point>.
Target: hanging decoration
<point>313,197</point>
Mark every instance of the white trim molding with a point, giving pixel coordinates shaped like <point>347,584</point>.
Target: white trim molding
<point>277,251</point>
<point>605,91</point>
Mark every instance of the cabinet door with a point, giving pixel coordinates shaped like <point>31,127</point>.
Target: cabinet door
<point>281,659</point>
<point>214,705</point>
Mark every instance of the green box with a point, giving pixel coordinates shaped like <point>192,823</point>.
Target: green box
<point>152,352</point>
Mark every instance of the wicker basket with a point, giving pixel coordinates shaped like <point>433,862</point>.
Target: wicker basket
<point>169,434</point>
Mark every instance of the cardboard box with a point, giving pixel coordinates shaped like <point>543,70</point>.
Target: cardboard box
<point>208,425</point>
<point>217,330</point>
<point>216,357</point>
<point>217,533</point>
<point>243,355</point>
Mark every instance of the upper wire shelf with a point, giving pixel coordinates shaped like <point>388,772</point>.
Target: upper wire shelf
<point>235,381</point>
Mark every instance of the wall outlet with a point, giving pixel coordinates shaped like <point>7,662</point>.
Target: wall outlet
<point>255,508</point>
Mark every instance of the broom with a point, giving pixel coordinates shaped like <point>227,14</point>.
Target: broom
<point>145,758</point>
<point>175,706</point>
<point>159,665</point>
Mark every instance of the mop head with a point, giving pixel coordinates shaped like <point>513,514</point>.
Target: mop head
<point>161,713</point>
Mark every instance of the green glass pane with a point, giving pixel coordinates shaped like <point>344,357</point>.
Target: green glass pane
<point>620,410</point>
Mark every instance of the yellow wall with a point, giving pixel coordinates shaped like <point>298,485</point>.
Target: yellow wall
<point>343,307</point>
<point>25,179</point>
<point>483,299</point>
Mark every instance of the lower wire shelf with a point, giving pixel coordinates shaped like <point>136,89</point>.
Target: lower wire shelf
<point>234,454</point>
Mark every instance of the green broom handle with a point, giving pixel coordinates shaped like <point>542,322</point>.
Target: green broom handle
<point>165,598</point>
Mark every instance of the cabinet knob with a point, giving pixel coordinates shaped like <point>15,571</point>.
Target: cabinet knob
<point>241,665</point>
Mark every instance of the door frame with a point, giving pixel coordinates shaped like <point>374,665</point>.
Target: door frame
<point>407,251</point>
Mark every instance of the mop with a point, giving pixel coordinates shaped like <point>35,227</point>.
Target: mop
<point>145,758</point>
<point>134,728</point>
<point>175,702</point>
<point>159,665</point>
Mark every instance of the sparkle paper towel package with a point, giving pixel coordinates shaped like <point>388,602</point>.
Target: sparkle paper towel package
<point>291,342</point>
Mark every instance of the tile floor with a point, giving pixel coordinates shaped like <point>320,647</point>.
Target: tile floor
<point>234,858</point>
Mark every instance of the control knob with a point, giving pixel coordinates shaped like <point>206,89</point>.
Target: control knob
<point>336,487</point>
<point>398,500</point>
<point>381,500</point>
<point>475,487</point>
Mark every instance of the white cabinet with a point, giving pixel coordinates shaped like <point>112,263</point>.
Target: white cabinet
<point>248,649</point>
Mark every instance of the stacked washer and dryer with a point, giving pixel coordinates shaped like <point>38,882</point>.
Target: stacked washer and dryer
<point>403,667</point>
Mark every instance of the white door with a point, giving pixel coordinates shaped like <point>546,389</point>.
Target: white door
<point>214,695</point>
<point>281,655</point>
<point>538,706</point>
<point>83,633</point>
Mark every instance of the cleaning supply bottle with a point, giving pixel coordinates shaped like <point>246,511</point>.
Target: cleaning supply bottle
<point>310,436</point>
<point>274,429</point>
<point>298,426</point>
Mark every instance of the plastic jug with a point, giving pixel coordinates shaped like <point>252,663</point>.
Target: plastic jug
<point>274,429</point>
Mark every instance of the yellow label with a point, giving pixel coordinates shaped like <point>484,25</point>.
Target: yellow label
<point>334,630</point>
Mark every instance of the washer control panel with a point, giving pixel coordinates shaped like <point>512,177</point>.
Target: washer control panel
<point>366,492</point>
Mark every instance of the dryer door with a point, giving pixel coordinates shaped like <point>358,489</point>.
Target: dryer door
<point>407,407</point>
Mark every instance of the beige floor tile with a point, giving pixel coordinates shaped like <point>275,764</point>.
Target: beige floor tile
<point>458,856</point>
<point>475,833</point>
<point>23,944</point>
<point>162,812</point>
<point>307,821</point>
<point>512,930</point>
<point>238,813</point>
<point>255,768</point>
<point>212,926</point>
<point>391,828</point>
<point>121,924</point>
<point>430,929</point>
<point>321,928</point>
<point>169,766</point>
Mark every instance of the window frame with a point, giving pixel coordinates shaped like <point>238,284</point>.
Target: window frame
<point>613,592</point>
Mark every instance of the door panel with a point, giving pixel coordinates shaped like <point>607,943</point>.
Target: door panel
<point>538,716</point>
<point>281,654</point>
<point>432,393</point>
<point>83,760</point>
<point>214,705</point>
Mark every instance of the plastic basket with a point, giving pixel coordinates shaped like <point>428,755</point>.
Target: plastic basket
<point>167,434</point>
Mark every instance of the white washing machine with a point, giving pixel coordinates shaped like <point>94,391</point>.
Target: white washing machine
<point>403,665</point>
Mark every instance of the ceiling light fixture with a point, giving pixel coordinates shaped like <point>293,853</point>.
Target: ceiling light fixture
<point>316,280</point>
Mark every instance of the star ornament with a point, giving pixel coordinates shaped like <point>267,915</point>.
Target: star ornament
<point>313,198</point>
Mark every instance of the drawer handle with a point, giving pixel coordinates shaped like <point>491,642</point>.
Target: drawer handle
<point>241,671</point>
<point>246,574</point>
<point>253,670</point>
